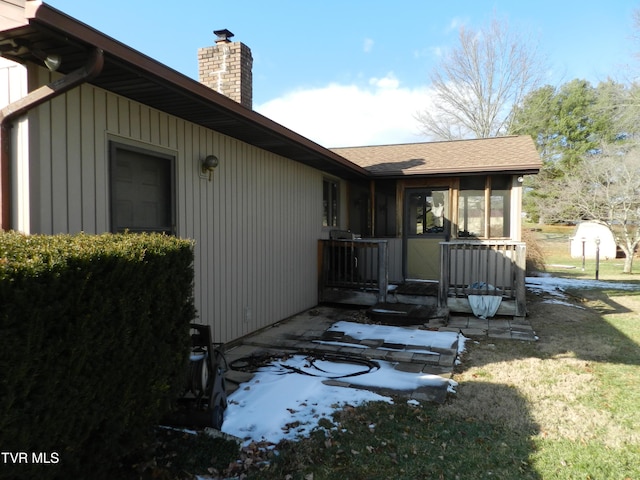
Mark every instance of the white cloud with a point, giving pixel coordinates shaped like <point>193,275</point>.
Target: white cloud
<point>368,45</point>
<point>388,82</point>
<point>339,115</point>
<point>424,52</point>
<point>437,51</point>
<point>455,24</point>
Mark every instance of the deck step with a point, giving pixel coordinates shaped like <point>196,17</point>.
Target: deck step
<point>406,314</point>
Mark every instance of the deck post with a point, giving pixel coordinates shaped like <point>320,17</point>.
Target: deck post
<point>383,271</point>
<point>520,277</point>
<point>443,286</point>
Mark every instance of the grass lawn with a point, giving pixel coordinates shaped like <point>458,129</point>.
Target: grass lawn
<point>564,407</point>
<point>555,244</point>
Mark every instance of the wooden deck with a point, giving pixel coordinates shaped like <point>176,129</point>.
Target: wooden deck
<point>355,272</point>
<point>427,289</point>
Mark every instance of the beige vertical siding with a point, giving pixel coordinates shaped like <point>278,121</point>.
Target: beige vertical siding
<point>13,86</point>
<point>255,224</point>
<point>12,81</point>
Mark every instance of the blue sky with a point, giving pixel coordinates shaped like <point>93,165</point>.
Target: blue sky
<point>355,72</point>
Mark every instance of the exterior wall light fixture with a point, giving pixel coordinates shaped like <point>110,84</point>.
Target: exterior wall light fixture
<point>51,60</point>
<point>209,164</point>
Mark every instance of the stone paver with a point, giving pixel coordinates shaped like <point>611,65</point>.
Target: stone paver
<point>443,371</point>
<point>449,329</point>
<point>400,356</point>
<point>522,328</point>
<point>479,323</point>
<point>461,322</point>
<point>447,360</point>
<point>429,359</point>
<point>474,332</point>
<point>525,336</point>
<point>408,367</point>
<point>498,323</point>
<point>500,333</point>
<point>308,332</point>
<point>351,351</point>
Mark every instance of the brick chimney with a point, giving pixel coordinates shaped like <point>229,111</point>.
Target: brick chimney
<point>226,68</point>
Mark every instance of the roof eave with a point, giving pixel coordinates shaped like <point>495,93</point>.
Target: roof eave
<point>511,170</point>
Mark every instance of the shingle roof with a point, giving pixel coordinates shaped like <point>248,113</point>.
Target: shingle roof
<point>514,154</point>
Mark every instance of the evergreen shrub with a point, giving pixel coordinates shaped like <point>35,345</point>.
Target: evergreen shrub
<point>94,339</point>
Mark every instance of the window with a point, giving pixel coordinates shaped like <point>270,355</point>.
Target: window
<point>471,207</point>
<point>500,207</point>
<point>427,211</point>
<point>329,203</point>
<point>142,192</point>
<point>484,201</point>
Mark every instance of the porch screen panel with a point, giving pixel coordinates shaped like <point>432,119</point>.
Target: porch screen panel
<point>471,207</point>
<point>484,207</point>
<point>426,211</point>
<point>330,203</point>
<point>500,203</point>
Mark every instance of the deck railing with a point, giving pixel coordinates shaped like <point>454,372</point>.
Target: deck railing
<point>360,265</point>
<point>492,267</point>
<point>356,271</point>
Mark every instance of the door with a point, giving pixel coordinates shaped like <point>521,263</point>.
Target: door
<point>141,191</point>
<point>426,224</point>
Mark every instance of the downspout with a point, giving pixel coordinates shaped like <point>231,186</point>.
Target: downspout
<point>91,69</point>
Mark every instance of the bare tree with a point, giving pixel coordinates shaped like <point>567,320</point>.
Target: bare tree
<point>636,28</point>
<point>606,189</point>
<point>478,82</point>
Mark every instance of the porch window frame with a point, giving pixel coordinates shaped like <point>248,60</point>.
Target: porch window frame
<point>506,214</point>
<point>428,191</point>
<point>330,202</point>
<point>506,217</point>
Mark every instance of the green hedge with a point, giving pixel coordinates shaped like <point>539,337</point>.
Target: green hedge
<point>93,345</point>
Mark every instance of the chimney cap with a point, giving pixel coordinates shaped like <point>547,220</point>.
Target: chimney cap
<point>223,36</point>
